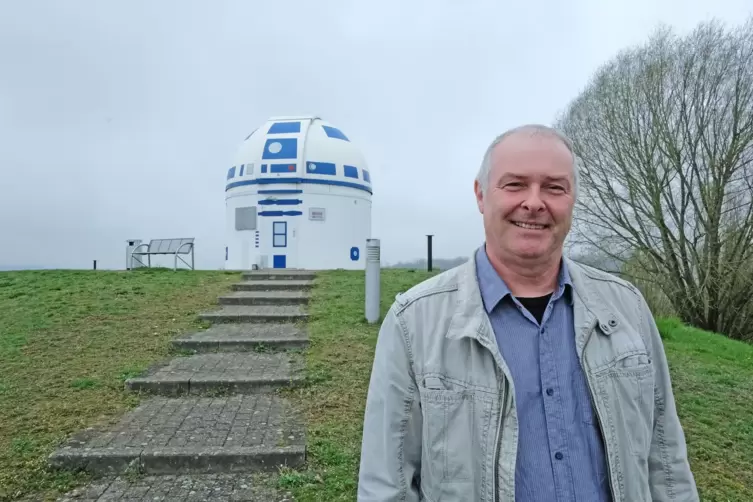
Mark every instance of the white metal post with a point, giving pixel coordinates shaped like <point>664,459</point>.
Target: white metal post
<point>373,266</point>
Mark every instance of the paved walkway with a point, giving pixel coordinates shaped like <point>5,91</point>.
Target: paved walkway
<point>213,419</point>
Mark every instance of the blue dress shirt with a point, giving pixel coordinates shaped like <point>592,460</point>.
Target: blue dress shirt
<point>560,450</point>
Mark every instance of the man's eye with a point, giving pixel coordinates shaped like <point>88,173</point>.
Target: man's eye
<point>557,188</point>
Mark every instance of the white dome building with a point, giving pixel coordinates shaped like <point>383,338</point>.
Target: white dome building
<point>297,196</point>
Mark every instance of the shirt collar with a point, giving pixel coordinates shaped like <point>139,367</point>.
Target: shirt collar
<point>494,289</point>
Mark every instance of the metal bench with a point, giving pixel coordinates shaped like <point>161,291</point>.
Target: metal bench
<point>173,247</point>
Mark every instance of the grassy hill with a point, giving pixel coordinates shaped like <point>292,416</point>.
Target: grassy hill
<point>68,340</point>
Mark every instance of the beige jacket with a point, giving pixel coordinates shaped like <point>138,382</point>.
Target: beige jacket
<point>441,424</point>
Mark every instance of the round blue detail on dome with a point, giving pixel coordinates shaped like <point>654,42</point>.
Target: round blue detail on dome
<point>354,253</point>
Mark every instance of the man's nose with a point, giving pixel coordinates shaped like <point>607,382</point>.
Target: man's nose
<point>533,200</point>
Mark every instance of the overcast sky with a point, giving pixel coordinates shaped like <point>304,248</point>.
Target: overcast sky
<point>119,120</point>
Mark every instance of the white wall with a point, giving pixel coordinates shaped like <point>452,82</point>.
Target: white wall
<point>311,245</point>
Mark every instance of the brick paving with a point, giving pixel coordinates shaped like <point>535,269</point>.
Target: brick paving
<point>245,336</point>
<point>206,447</point>
<point>265,298</point>
<point>279,274</point>
<point>211,487</point>
<point>191,434</point>
<point>256,313</point>
<point>239,420</point>
<point>219,371</point>
<point>272,285</point>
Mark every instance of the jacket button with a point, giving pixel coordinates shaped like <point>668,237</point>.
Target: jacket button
<point>549,392</point>
<point>558,456</point>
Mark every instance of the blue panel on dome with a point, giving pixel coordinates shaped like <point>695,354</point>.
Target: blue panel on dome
<point>351,172</point>
<point>263,168</point>
<point>282,168</point>
<point>280,148</point>
<point>366,176</point>
<point>231,172</point>
<point>284,127</point>
<point>334,132</point>
<point>242,167</point>
<point>321,168</point>
<point>354,253</point>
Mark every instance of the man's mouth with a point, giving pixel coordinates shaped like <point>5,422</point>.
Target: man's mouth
<point>529,226</point>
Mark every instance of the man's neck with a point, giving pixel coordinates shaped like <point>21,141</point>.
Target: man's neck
<point>527,278</point>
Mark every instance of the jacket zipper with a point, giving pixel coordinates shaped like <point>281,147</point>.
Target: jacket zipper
<point>497,442</point>
<point>596,410</point>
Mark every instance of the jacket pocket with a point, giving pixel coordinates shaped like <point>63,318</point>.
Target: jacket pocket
<point>629,383</point>
<point>456,433</point>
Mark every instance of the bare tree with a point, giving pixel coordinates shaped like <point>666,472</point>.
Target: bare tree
<point>664,134</point>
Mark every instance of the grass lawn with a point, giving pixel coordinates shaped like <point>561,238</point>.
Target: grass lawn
<point>713,380</point>
<point>68,340</point>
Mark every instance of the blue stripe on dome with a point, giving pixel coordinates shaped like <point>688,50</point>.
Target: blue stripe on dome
<point>280,202</point>
<point>280,192</point>
<point>280,213</point>
<point>296,180</point>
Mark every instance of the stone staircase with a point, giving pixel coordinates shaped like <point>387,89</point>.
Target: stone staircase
<point>212,419</point>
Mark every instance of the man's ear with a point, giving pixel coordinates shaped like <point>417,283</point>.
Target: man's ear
<point>479,196</point>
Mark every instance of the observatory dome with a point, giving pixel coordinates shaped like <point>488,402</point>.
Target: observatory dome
<point>298,195</point>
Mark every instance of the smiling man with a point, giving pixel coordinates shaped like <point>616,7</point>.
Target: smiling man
<point>522,375</point>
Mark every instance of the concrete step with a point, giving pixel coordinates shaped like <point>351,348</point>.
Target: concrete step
<point>272,285</point>
<point>245,337</point>
<point>256,313</point>
<point>221,373</point>
<point>279,275</point>
<point>265,298</point>
<point>235,487</point>
<point>200,435</point>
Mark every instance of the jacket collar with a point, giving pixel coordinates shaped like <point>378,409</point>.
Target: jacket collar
<point>494,289</point>
<point>470,319</point>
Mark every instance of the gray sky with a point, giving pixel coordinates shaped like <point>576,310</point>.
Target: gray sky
<point>119,120</point>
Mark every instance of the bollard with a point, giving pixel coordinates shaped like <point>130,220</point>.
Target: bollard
<point>428,252</point>
<point>372,280</point>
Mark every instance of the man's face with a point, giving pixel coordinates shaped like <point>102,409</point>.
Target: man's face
<point>528,204</point>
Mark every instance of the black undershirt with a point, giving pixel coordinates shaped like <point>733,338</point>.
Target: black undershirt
<point>536,305</point>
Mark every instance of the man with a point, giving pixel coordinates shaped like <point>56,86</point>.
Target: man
<point>522,375</point>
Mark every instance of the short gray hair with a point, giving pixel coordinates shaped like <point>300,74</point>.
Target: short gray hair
<point>531,129</point>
